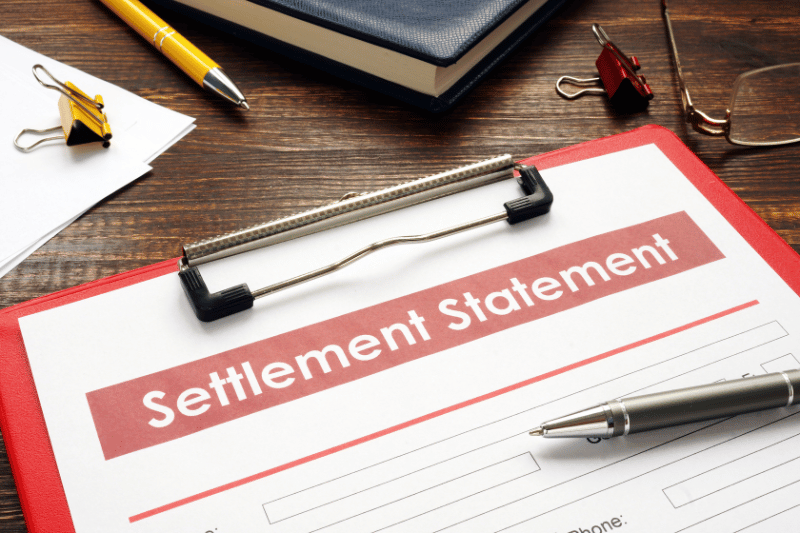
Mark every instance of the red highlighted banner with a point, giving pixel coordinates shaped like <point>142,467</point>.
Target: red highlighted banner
<point>176,402</point>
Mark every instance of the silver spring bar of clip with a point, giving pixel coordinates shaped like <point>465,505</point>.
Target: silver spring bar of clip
<point>349,209</point>
<point>374,247</point>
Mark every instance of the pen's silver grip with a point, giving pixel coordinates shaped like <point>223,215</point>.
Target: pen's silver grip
<point>705,402</point>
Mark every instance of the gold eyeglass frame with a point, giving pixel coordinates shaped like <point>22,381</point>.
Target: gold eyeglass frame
<point>700,121</point>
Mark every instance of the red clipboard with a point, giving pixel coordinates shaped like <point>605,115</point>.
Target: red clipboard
<point>33,464</point>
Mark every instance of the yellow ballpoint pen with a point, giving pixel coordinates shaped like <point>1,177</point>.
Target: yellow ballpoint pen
<point>201,68</point>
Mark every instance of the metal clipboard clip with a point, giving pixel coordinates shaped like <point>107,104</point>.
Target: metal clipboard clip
<point>618,79</point>
<point>82,118</point>
<point>351,208</point>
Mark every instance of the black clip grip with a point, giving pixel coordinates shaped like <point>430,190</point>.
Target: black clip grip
<point>209,307</point>
<point>537,202</point>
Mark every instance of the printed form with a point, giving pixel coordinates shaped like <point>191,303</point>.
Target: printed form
<point>396,394</point>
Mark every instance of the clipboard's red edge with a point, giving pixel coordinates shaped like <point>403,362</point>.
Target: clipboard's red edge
<point>44,502</point>
<point>41,493</point>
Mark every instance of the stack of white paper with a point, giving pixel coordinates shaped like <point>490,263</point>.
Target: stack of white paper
<point>43,191</point>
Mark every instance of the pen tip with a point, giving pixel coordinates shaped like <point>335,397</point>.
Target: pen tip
<point>218,82</point>
<point>536,432</point>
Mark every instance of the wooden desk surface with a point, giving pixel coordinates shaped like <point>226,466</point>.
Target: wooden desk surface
<point>309,137</point>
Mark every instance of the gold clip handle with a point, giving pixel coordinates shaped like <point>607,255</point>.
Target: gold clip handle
<point>76,97</point>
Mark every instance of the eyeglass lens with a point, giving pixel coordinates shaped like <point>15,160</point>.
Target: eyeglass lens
<point>765,106</point>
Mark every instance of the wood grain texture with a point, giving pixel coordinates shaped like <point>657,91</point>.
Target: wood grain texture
<point>309,137</point>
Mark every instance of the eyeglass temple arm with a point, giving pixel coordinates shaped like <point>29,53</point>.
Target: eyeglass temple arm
<point>699,120</point>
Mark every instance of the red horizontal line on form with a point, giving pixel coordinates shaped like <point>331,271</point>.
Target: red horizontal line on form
<point>435,414</point>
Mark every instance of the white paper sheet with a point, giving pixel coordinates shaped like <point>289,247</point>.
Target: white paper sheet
<point>437,443</point>
<point>45,190</point>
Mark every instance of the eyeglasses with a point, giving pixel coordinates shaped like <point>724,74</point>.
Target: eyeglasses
<point>764,109</point>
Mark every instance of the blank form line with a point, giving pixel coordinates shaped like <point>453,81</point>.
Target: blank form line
<point>487,489</point>
<point>741,504</point>
<point>632,478</point>
<point>391,480</point>
<point>429,488</point>
<point>743,480</point>
<point>435,414</point>
<point>767,518</point>
<point>699,367</point>
<point>727,464</point>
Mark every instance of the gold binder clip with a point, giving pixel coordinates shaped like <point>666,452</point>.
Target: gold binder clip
<point>82,118</point>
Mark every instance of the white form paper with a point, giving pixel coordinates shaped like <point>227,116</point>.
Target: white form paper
<point>399,391</point>
<point>45,190</point>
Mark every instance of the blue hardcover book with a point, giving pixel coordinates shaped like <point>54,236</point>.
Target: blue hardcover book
<point>425,52</point>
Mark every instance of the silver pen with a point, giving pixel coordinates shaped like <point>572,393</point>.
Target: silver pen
<point>682,406</point>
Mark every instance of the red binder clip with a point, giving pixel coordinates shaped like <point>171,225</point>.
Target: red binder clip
<point>626,90</point>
